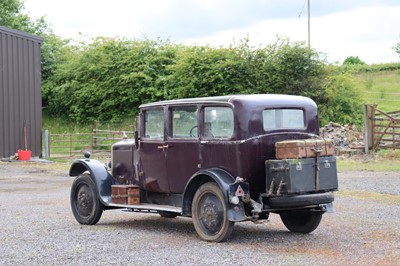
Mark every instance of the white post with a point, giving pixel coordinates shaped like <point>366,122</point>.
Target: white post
<point>46,144</point>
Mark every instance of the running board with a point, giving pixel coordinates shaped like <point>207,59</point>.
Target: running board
<point>149,207</point>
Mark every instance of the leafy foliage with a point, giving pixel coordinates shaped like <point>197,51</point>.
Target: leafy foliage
<point>353,60</point>
<point>12,16</point>
<point>396,48</point>
<point>343,103</point>
<point>109,78</point>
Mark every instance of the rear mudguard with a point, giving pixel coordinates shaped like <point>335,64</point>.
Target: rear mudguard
<point>235,212</point>
<point>98,173</point>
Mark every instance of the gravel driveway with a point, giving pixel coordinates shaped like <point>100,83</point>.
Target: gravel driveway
<point>37,228</point>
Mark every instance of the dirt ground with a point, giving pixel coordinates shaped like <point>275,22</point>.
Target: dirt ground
<point>37,227</point>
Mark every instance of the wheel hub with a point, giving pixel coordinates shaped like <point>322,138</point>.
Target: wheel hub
<point>210,215</point>
<point>84,201</point>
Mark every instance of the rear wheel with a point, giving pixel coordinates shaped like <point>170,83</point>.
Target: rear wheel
<point>209,213</point>
<point>85,204</point>
<point>304,221</point>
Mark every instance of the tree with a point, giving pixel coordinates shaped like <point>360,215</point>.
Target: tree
<point>342,104</point>
<point>109,78</point>
<point>396,48</point>
<point>353,60</point>
<point>12,16</point>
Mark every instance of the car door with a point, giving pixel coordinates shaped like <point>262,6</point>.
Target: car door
<point>216,147</point>
<point>182,146</point>
<point>153,151</point>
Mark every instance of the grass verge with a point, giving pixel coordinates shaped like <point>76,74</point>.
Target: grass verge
<point>370,196</point>
<point>380,161</point>
<point>372,166</point>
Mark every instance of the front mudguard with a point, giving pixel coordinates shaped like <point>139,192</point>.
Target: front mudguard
<point>99,174</point>
<point>235,212</point>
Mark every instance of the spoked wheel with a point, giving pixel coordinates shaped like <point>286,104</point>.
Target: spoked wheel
<point>209,214</point>
<point>85,204</point>
<point>304,221</point>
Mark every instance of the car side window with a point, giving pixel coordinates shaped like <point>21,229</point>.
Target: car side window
<point>154,124</point>
<point>184,122</point>
<point>218,122</point>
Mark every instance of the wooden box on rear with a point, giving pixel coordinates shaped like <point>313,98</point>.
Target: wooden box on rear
<point>125,194</point>
<point>304,148</point>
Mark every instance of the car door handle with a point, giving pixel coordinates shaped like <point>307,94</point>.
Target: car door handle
<point>163,147</point>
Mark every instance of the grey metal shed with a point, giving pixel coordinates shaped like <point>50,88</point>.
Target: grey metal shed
<point>20,92</point>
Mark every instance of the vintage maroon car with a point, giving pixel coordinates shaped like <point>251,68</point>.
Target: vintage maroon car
<point>213,159</point>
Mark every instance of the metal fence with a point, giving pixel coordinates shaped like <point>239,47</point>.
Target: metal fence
<point>74,144</point>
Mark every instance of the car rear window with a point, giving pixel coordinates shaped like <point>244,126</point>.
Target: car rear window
<point>283,118</point>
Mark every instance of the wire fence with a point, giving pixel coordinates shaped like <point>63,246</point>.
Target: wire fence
<point>99,141</point>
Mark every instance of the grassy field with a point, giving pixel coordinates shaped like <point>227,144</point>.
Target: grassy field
<point>381,87</point>
<point>58,125</point>
<point>380,161</point>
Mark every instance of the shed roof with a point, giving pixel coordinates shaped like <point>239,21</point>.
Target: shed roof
<point>21,34</point>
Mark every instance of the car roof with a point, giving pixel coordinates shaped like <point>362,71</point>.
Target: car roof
<point>253,98</point>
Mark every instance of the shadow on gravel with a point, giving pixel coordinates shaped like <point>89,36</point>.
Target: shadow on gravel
<point>243,233</point>
<point>248,233</point>
<point>154,223</point>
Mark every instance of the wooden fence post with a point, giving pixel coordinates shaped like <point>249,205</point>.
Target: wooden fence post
<point>94,132</point>
<point>372,110</point>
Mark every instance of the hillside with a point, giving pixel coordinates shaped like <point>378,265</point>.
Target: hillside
<point>381,87</point>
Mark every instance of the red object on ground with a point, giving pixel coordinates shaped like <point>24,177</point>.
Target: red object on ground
<point>24,155</point>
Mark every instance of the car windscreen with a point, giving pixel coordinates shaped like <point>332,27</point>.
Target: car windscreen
<point>283,118</point>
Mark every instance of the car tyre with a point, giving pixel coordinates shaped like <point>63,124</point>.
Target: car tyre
<point>301,221</point>
<point>85,203</point>
<point>209,213</point>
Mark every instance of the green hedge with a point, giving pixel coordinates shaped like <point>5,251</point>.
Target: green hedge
<point>109,78</point>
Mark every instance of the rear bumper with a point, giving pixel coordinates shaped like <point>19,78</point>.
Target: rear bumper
<point>300,200</point>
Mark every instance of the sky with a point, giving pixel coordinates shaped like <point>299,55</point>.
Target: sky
<point>339,29</point>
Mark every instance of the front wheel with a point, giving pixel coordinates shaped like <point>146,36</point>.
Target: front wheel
<point>209,213</point>
<point>85,204</point>
<point>304,221</point>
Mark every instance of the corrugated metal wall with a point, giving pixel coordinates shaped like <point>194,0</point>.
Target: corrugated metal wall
<point>20,92</point>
